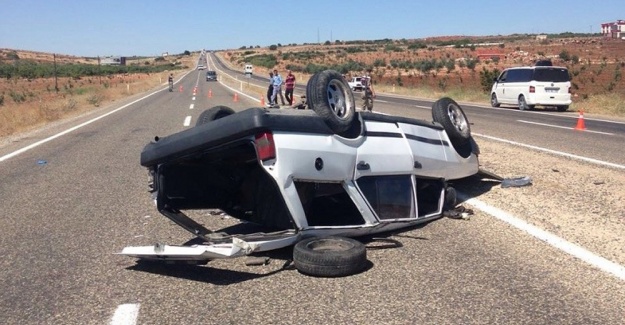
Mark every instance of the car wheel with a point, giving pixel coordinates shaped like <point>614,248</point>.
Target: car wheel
<point>493,101</point>
<point>329,95</point>
<point>523,104</point>
<point>332,256</point>
<point>563,108</point>
<point>451,116</point>
<point>451,198</point>
<point>214,113</point>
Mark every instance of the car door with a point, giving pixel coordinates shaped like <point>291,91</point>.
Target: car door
<point>500,86</point>
<point>385,151</point>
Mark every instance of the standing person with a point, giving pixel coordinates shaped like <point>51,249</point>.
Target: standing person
<point>277,85</point>
<point>289,87</point>
<point>270,90</point>
<point>170,79</point>
<point>369,94</point>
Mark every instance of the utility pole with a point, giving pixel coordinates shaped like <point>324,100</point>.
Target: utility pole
<point>56,83</point>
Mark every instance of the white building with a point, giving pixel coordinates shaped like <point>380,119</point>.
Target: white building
<point>614,29</point>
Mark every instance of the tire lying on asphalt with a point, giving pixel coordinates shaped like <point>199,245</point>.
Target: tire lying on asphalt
<point>214,113</point>
<point>450,115</point>
<point>329,95</point>
<point>332,256</point>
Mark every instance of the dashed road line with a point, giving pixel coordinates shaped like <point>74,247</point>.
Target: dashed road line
<point>125,314</point>
<point>187,121</point>
<point>562,127</point>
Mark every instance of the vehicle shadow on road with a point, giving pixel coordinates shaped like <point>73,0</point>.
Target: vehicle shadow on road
<point>209,274</point>
<point>474,186</point>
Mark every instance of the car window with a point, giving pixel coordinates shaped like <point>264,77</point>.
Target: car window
<point>552,75</point>
<point>519,75</point>
<point>327,204</point>
<point>391,197</point>
<point>504,76</point>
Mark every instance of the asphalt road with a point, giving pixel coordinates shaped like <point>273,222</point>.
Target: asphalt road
<point>71,202</point>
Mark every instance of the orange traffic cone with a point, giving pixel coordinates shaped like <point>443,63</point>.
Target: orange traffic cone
<point>210,93</point>
<point>262,101</point>
<point>580,121</point>
<point>236,97</point>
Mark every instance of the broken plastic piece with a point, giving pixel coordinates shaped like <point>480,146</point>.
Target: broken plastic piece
<point>516,182</point>
<point>253,260</point>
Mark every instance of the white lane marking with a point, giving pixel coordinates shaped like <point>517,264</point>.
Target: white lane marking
<point>40,142</point>
<point>193,98</point>
<point>241,93</point>
<point>191,106</point>
<point>187,121</point>
<point>583,254</point>
<point>559,153</point>
<point>562,127</point>
<point>125,314</point>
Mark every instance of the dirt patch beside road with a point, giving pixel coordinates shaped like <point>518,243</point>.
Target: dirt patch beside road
<point>581,202</point>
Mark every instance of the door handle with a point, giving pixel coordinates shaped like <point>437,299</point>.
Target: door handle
<point>363,166</point>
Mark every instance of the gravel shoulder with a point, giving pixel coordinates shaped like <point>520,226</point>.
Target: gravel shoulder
<point>580,202</point>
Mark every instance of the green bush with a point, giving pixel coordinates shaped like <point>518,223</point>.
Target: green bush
<point>263,60</point>
<point>487,78</point>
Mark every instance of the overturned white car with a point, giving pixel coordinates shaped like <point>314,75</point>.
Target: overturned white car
<point>308,177</point>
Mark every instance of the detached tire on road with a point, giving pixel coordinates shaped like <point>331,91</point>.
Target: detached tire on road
<point>214,113</point>
<point>329,95</point>
<point>332,256</point>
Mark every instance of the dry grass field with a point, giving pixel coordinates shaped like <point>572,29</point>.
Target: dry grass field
<point>595,64</point>
<point>29,103</point>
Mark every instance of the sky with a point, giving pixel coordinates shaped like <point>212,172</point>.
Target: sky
<point>150,28</point>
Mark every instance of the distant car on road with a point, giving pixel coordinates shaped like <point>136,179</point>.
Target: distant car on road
<point>211,75</point>
<point>356,84</point>
<point>249,69</point>
<point>201,67</point>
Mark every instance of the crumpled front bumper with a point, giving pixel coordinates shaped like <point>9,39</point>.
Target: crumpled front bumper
<point>237,248</point>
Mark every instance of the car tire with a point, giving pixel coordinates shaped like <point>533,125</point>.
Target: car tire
<point>451,198</point>
<point>332,256</point>
<point>329,95</point>
<point>523,104</point>
<point>451,116</point>
<point>214,113</point>
<point>493,100</point>
<point>563,108</point>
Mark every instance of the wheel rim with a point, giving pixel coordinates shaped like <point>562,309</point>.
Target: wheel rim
<point>493,100</point>
<point>337,99</point>
<point>457,118</point>
<point>522,104</point>
<point>322,245</point>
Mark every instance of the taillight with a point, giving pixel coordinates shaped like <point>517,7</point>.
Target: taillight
<point>532,89</point>
<point>265,147</point>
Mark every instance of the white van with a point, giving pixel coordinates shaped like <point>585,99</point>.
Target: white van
<point>528,87</point>
<point>248,69</point>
